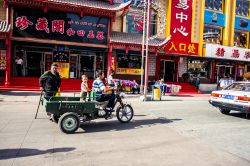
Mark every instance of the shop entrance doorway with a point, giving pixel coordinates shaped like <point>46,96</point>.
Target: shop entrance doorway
<point>73,66</point>
<point>33,66</point>
<point>167,70</point>
<point>87,65</point>
<point>223,71</point>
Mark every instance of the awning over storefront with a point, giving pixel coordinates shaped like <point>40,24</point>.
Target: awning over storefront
<point>227,53</point>
<point>86,6</point>
<point>134,41</point>
<point>4,28</point>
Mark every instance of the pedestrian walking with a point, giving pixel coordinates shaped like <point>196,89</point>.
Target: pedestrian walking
<point>50,81</point>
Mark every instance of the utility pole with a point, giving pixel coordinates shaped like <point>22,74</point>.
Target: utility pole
<point>147,38</point>
<point>143,46</point>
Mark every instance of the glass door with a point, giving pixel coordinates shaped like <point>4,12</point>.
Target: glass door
<point>73,63</point>
<point>47,61</point>
<point>169,71</point>
<point>87,65</point>
<point>162,69</point>
<point>34,60</point>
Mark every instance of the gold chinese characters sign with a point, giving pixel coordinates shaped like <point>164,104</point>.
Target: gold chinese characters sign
<point>130,71</point>
<point>63,69</point>
<point>2,60</point>
<point>182,48</point>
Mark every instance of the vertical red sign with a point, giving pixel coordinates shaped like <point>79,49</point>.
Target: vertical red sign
<point>113,63</point>
<point>181,20</point>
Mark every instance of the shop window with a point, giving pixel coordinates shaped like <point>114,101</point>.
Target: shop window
<point>128,61</point>
<point>242,8</point>
<point>2,45</point>
<point>213,5</point>
<point>87,65</point>
<point>248,68</point>
<point>212,35</point>
<point>198,67</point>
<point>99,61</point>
<point>241,39</point>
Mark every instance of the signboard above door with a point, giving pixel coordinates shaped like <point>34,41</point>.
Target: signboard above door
<point>34,23</point>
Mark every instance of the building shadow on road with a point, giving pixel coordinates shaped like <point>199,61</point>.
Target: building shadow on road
<point>23,152</point>
<point>19,93</point>
<point>117,126</point>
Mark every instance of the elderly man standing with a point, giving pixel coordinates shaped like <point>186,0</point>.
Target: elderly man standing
<point>50,81</point>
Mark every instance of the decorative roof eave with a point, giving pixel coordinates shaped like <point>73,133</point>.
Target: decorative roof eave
<point>165,42</point>
<point>132,40</point>
<point>124,11</point>
<point>132,46</point>
<point>84,5</point>
<point>4,27</point>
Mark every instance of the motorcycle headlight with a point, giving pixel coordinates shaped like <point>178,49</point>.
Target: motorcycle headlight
<point>122,95</point>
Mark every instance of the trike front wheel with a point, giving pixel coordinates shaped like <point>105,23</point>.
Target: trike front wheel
<point>124,114</point>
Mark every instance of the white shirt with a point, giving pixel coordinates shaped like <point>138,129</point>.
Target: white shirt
<point>110,79</point>
<point>19,61</point>
<point>224,82</point>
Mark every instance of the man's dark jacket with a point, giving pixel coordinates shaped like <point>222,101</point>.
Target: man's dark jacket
<point>50,82</point>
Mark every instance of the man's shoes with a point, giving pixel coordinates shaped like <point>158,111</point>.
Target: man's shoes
<point>108,109</point>
<point>108,113</point>
<point>108,116</point>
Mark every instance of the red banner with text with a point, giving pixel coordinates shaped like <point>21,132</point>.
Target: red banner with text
<point>181,20</point>
<point>182,48</point>
<point>181,29</point>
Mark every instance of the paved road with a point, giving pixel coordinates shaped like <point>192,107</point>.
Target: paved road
<point>177,131</point>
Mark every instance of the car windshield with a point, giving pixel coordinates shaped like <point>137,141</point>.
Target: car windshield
<point>239,87</point>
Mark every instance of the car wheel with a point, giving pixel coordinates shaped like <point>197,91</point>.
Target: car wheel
<point>224,111</point>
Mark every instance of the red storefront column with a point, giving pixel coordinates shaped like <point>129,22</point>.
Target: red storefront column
<point>157,67</point>
<point>212,71</point>
<point>109,60</point>
<point>8,58</point>
<point>236,71</point>
<point>8,50</point>
<point>176,70</point>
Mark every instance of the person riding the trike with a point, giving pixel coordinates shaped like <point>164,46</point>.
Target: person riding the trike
<point>103,93</point>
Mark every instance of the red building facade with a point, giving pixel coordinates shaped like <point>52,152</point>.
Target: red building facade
<point>76,35</point>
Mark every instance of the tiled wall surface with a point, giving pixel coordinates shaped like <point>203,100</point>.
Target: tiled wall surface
<point>2,11</point>
<point>182,66</point>
<point>152,65</point>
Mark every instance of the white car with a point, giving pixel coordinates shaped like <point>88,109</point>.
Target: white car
<point>235,97</point>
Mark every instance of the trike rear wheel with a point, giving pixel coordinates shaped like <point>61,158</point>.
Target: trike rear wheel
<point>125,114</point>
<point>69,122</point>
